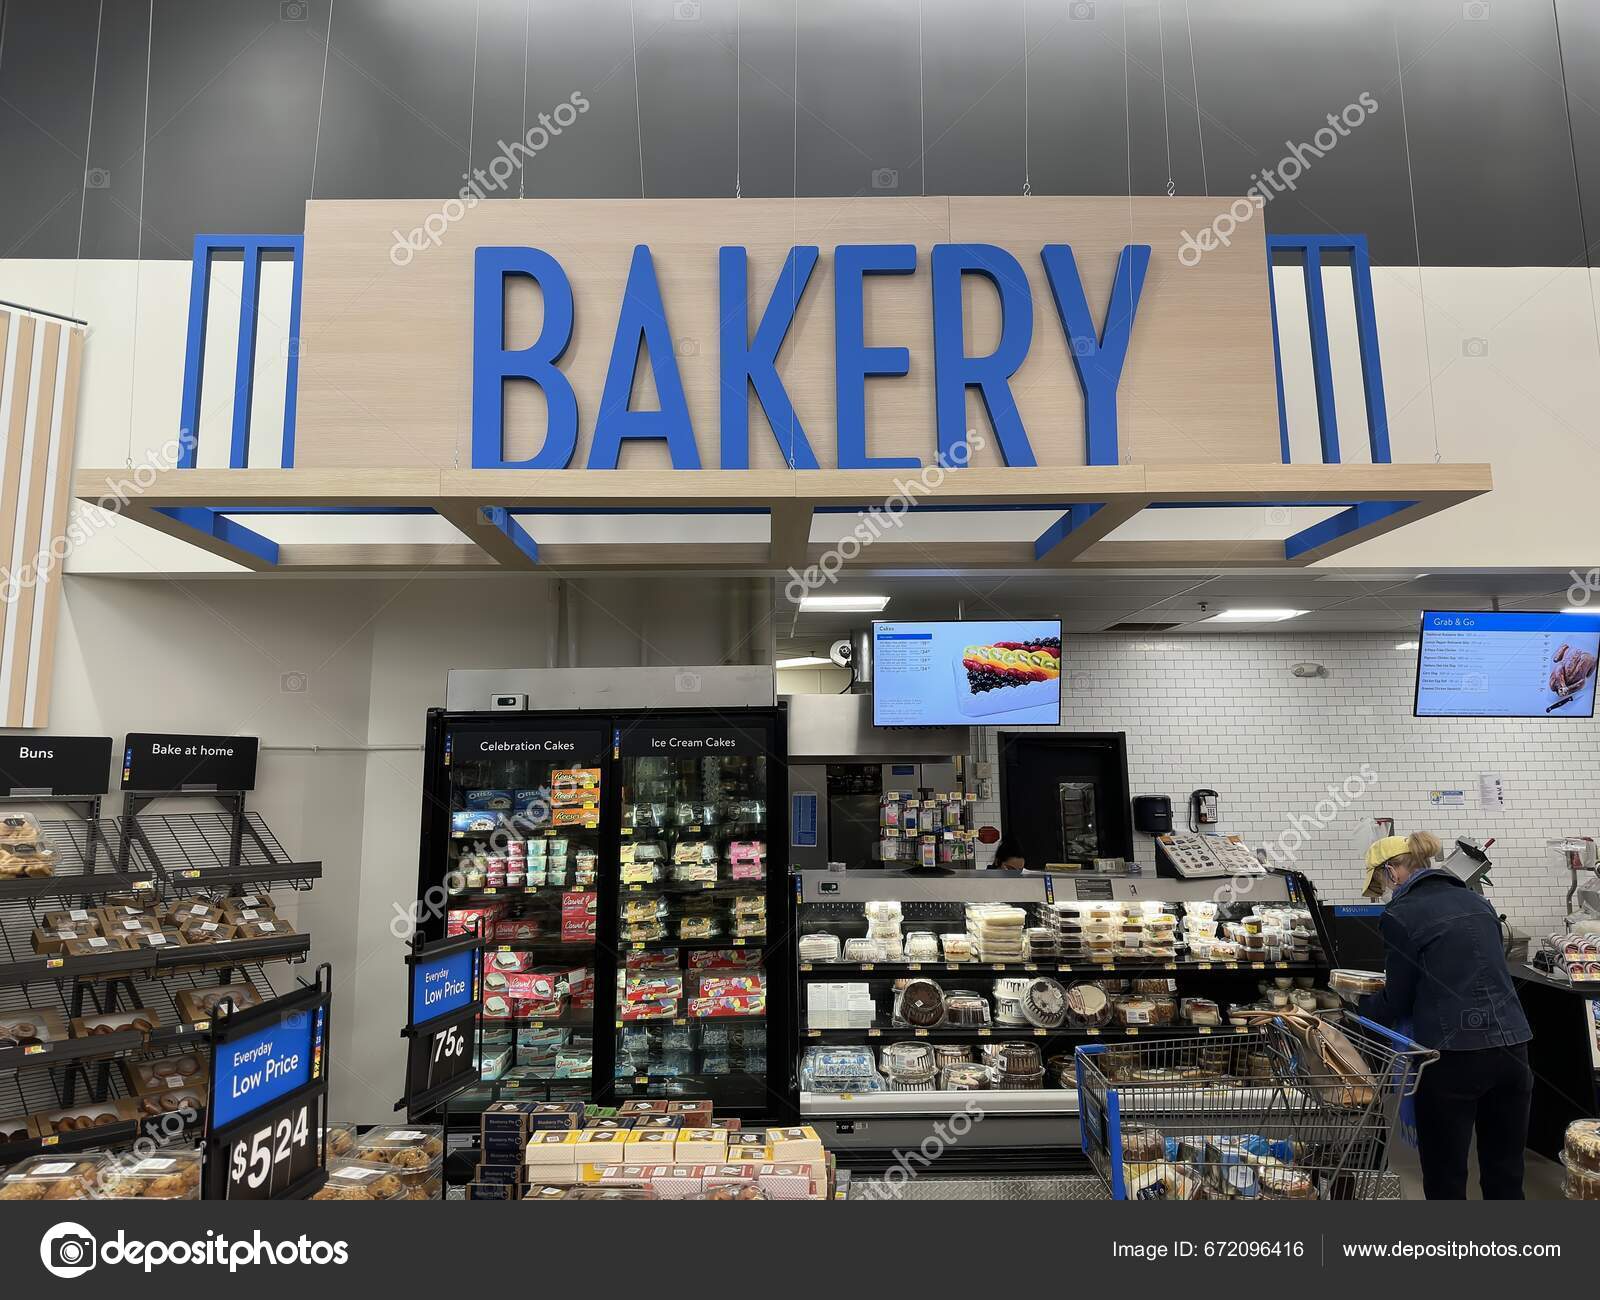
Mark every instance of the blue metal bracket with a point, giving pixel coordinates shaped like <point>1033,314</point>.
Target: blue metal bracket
<point>1349,520</point>
<point>251,249</point>
<point>501,518</point>
<point>216,525</point>
<point>1074,518</point>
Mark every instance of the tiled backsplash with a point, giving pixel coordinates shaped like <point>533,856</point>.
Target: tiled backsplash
<point>1226,713</point>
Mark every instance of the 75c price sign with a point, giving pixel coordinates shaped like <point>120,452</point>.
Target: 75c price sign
<point>441,1054</point>
<point>442,1028</point>
<point>274,1151</point>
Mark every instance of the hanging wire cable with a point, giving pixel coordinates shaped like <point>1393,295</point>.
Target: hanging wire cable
<point>1166,120</point>
<point>527,18</point>
<point>922,114</point>
<point>738,99</point>
<point>1199,116</point>
<point>638,112</point>
<point>1416,241</point>
<point>1027,179</point>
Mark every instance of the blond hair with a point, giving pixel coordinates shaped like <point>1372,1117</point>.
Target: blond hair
<point>1422,847</point>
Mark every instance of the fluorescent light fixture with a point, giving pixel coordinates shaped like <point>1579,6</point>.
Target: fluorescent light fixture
<point>1254,616</point>
<point>1581,609</point>
<point>1407,645</point>
<point>843,604</point>
<point>804,661</point>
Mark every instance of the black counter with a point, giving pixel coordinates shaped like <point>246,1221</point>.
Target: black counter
<point>1561,1054</point>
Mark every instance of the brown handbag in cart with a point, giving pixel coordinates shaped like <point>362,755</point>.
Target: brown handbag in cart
<point>1340,1075</point>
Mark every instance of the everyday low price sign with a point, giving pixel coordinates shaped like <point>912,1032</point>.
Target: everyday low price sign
<point>256,1070</point>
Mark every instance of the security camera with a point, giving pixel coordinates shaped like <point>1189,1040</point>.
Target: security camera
<point>841,653</point>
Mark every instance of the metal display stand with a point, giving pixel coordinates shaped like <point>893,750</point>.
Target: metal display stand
<point>165,855</point>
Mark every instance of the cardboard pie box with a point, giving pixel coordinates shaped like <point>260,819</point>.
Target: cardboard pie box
<point>51,943</point>
<point>796,1144</point>
<point>645,1108</point>
<point>727,1175</point>
<point>197,931</point>
<point>751,1148</point>
<point>786,1182</point>
<point>696,1114</point>
<point>551,1156</point>
<point>631,1175</point>
<point>163,1074</point>
<point>232,908</point>
<point>184,910</point>
<point>705,1146</point>
<point>679,1182</point>
<point>156,939</point>
<point>115,920</point>
<point>653,1144</point>
<point>196,1005</point>
<point>658,1121</point>
<point>262,928</point>
<point>80,920</point>
<point>28,1026</point>
<point>81,1119</point>
<point>94,946</point>
<point>113,1022</point>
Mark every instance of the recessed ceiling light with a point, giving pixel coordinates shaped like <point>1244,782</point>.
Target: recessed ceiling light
<point>1406,645</point>
<point>843,604</point>
<point>804,661</point>
<point>1254,616</point>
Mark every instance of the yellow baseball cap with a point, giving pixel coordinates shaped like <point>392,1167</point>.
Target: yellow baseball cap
<point>1379,852</point>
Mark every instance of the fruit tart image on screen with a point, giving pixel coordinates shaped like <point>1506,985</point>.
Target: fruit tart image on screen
<point>1009,675</point>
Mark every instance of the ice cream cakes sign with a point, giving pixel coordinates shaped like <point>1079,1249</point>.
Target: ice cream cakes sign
<point>584,335</point>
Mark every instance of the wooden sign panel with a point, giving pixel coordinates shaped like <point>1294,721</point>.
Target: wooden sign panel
<point>386,364</point>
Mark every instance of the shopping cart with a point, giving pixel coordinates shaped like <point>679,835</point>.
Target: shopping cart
<point>1293,1108</point>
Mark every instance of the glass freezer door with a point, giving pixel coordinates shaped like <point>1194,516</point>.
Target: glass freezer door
<point>692,899</point>
<point>525,800</point>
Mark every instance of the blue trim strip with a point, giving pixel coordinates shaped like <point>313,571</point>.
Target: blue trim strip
<point>1367,336</point>
<point>291,379</point>
<point>214,524</point>
<point>244,362</point>
<point>1277,357</point>
<point>1076,517</point>
<point>501,518</point>
<point>1119,1186</point>
<point>1341,525</point>
<point>194,354</point>
<point>640,510</point>
<point>1321,355</point>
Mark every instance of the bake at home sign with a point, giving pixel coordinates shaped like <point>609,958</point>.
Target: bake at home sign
<point>1096,350</point>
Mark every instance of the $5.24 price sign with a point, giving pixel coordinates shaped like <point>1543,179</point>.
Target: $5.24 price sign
<point>275,1152</point>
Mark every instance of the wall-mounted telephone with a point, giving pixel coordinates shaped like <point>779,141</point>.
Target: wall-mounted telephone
<point>1203,809</point>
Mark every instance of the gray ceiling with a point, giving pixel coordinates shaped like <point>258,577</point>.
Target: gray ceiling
<point>127,126</point>
<point>1095,602</point>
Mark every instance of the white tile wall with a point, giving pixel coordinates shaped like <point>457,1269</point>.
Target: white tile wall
<point>1224,712</point>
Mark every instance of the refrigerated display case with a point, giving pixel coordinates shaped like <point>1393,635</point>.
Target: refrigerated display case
<point>628,871</point>
<point>693,921</point>
<point>921,994</point>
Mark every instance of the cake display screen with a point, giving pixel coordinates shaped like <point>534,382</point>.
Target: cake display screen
<point>961,674</point>
<point>1478,664</point>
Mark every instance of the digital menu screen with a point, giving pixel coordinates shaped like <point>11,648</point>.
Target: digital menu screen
<point>965,674</point>
<point>1507,665</point>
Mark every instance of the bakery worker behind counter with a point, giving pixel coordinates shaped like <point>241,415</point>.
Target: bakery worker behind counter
<point>1446,984</point>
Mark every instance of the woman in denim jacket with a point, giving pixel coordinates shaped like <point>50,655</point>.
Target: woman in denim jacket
<point>1446,978</point>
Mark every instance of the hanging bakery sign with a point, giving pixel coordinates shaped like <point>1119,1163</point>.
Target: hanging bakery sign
<point>778,334</point>
<point>533,359</point>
